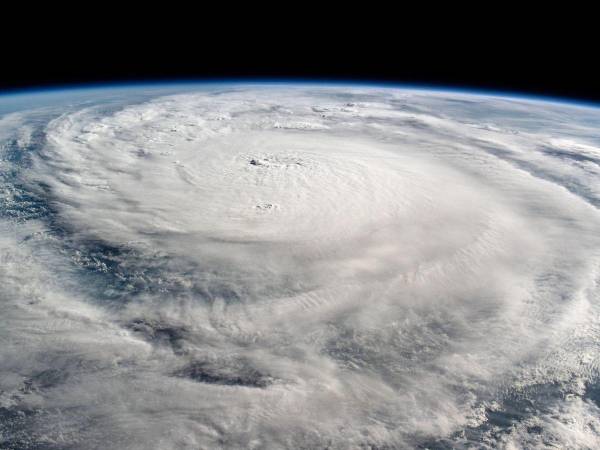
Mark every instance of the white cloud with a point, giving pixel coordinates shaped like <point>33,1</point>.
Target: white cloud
<point>283,267</point>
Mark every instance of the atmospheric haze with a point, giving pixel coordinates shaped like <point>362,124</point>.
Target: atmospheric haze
<point>298,266</point>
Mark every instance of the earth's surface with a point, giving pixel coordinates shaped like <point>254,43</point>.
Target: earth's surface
<point>297,266</point>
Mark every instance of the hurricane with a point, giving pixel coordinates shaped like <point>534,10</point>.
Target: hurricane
<point>299,266</point>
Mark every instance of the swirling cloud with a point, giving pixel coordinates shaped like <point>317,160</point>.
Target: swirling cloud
<point>300,267</point>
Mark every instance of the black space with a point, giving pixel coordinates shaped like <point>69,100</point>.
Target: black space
<point>375,46</point>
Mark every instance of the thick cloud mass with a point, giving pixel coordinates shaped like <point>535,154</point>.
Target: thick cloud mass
<point>298,267</point>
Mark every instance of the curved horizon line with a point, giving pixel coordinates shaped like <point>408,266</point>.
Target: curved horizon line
<point>419,86</point>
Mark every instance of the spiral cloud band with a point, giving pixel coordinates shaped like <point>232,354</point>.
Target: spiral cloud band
<point>298,267</point>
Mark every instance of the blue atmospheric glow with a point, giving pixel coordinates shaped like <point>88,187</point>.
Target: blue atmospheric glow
<point>191,82</point>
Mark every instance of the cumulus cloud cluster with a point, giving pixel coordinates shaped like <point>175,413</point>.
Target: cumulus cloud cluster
<point>299,267</point>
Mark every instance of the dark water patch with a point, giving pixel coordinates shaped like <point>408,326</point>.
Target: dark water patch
<point>592,392</point>
<point>17,202</point>
<point>45,379</point>
<point>238,372</point>
<point>118,273</point>
<point>19,205</point>
<point>160,333</point>
<point>17,152</point>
